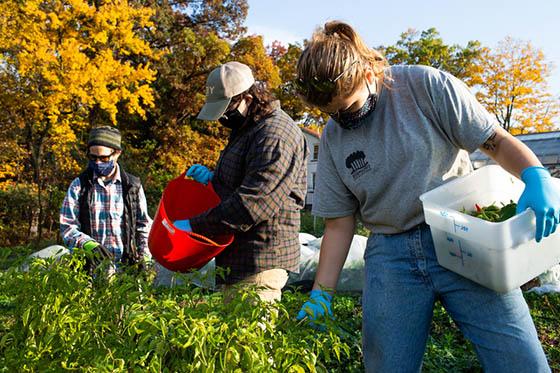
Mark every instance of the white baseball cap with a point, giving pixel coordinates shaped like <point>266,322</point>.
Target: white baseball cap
<point>224,82</point>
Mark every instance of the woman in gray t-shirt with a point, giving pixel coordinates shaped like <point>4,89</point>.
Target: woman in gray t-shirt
<point>395,133</point>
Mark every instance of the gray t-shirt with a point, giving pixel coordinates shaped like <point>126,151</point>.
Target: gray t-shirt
<point>413,142</point>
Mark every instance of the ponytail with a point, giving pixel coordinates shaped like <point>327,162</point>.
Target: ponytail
<point>328,57</point>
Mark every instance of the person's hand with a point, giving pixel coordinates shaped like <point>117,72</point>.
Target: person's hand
<point>318,306</point>
<point>184,225</point>
<point>99,250</point>
<point>97,253</point>
<point>543,197</point>
<point>200,173</point>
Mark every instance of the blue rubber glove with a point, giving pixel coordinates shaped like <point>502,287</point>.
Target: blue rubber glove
<point>318,304</point>
<point>200,173</point>
<point>184,225</point>
<point>543,197</point>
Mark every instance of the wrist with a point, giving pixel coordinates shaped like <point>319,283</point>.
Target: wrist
<point>316,293</point>
<point>533,172</point>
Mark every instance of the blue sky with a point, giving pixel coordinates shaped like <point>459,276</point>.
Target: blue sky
<point>382,22</point>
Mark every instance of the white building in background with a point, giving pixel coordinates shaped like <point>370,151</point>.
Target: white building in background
<point>545,145</point>
<point>312,138</point>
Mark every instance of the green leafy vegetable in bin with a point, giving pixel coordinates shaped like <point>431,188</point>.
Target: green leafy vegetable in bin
<point>493,213</point>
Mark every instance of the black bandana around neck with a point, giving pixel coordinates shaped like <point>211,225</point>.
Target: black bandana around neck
<point>357,118</point>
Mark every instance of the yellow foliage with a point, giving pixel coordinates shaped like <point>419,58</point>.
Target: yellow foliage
<point>71,52</point>
<point>63,139</point>
<point>69,56</point>
<point>513,85</point>
<point>12,160</point>
<point>251,51</point>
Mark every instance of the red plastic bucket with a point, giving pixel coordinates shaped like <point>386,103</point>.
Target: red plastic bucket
<point>173,248</point>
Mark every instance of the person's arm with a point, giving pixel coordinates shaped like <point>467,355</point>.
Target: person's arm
<point>270,174</point>
<point>336,242</point>
<point>69,218</point>
<point>337,239</point>
<point>541,194</point>
<point>143,224</point>
<point>509,152</point>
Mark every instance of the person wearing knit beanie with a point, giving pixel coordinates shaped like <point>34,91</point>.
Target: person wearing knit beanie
<point>105,212</point>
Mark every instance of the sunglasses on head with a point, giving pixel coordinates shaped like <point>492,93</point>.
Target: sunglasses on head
<point>102,158</point>
<point>323,86</point>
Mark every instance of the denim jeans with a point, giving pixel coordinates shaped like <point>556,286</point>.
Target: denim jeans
<point>402,282</point>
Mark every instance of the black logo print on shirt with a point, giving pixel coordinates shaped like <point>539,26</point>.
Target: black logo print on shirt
<point>358,164</point>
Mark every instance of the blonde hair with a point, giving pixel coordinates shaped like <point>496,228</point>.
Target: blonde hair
<point>331,52</point>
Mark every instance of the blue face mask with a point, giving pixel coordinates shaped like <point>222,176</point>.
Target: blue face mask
<point>102,168</point>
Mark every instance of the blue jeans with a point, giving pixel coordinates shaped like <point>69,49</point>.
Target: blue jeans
<point>402,282</point>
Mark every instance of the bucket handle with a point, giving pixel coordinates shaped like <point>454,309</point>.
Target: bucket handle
<point>200,237</point>
<point>203,238</point>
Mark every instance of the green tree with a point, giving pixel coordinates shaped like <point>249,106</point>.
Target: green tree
<point>193,37</point>
<point>428,48</point>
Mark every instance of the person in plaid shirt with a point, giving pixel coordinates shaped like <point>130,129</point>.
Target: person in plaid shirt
<point>105,210</point>
<point>260,178</point>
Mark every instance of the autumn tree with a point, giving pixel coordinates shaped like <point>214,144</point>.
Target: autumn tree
<point>428,48</point>
<point>251,51</point>
<point>286,59</point>
<point>513,87</point>
<point>65,65</point>
<point>193,37</point>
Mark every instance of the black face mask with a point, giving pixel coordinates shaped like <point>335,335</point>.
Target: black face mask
<point>232,119</point>
<point>356,119</point>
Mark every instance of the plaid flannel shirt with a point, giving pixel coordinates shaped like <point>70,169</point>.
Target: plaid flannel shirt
<point>106,217</point>
<point>261,179</point>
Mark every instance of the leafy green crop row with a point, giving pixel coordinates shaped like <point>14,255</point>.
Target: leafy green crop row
<point>56,318</point>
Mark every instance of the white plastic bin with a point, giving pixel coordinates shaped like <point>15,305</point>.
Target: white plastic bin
<point>501,256</point>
